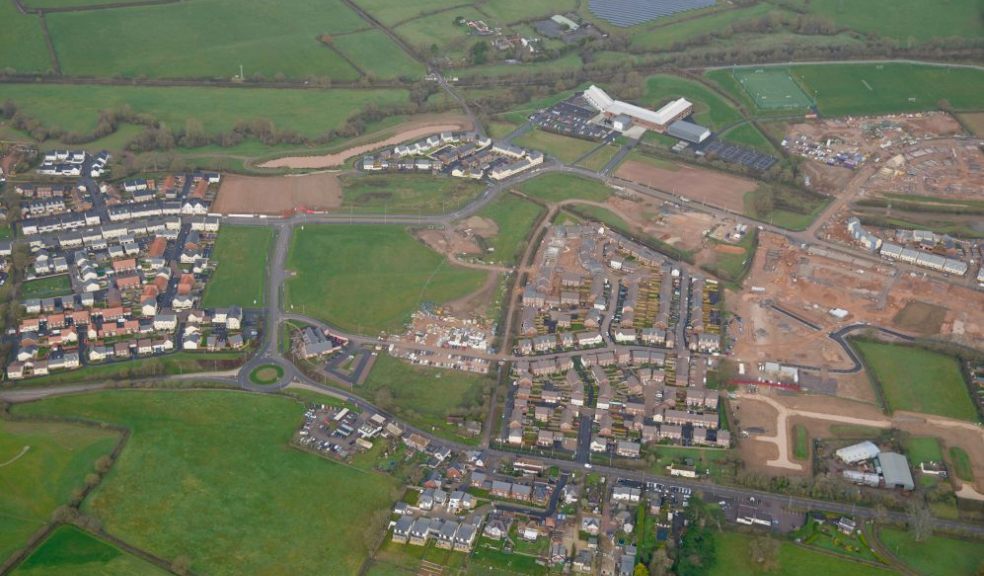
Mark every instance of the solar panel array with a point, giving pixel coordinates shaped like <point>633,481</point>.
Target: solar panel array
<point>625,13</point>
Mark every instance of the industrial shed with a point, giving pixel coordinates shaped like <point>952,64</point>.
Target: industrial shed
<point>858,452</point>
<point>895,470</point>
<point>688,131</point>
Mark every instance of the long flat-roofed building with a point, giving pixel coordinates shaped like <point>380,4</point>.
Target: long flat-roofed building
<point>657,120</point>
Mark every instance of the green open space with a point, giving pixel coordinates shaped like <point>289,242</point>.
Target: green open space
<point>166,365</point>
<point>440,30</point>
<point>41,465</point>
<point>600,158</point>
<point>243,492</point>
<point>391,12</point>
<point>68,551</point>
<point>605,216</point>
<point>241,254</point>
<point>507,11</point>
<point>936,554</point>
<point>923,449</point>
<point>712,462</point>
<point>515,218</point>
<point>309,113</point>
<point>916,379</point>
<point>553,188</point>
<point>771,88</point>
<point>733,559</point>
<point>22,47</point>
<point>266,374</point>
<point>181,40</point>
<point>961,464</point>
<point>909,21</point>
<point>564,148</point>
<point>426,396</point>
<point>710,109</point>
<point>376,54</point>
<point>569,62</point>
<point>664,35</point>
<point>801,442</point>
<point>748,135</point>
<point>46,287</point>
<point>406,193</point>
<point>368,279</point>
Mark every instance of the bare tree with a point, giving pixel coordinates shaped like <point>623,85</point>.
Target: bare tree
<point>920,520</point>
<point>764,552</point>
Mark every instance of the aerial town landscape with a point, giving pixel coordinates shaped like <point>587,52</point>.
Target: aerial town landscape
<point>601,287</point>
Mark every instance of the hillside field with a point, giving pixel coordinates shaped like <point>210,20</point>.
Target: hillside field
<point>368,279</point>
<point>243,492</point>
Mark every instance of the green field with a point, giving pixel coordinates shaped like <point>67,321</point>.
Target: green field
<point>46,287</point>
<point>917,379</point>
<point>733,560</point>
<point>564,148</point>
<point>69,551</point>
<point>791,208</point>
<point>307,112</point>
<point>439,30</point>
<point>923,449</point>
<point>801,442</point>
<point>368,279</point>
<point>406,193</point>
<point>771,88</point>
<point>243,492</point>
<point>553,188</point>
<point>391,12</point>
<point>732,268</point>
<point>710,461</point>
<point>508,11</point>
<point>166,365</point>
<point>515,218</point>
<point>961,464</point>
<point>241,254</point>
<point>182,41</point>
<point>604,216</point>
<point>22,47</point>
<point>425,396</point>
<point>662,36</point>
<point>33,483</point>
<point>748,135</point>
<point>601,158</point>
<point>906,20</point>
<point>935,555</point>
<point>376,54</point>
<point>710,109</point>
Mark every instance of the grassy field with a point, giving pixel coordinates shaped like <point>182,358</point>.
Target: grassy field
<point>749,135</point>
<point>661,37</point>
<point>46,287</point>
<point>22,47</point>
<point>792,208</point>
<point>506,11</point>
<point>733,560</point>
<point>240,276</point>
<point>565,148</point>
<point>771,88</point>
<point>801,442</point>
<point>708,461</point>
<point>376,54</point>
<point>307,112</point>
<point>515,218</point>
<point>69,551</point>
<point>936,555</point>
<point>169,364</point>
<point>923,449</point>
<point>33,485</point>
<point>961,464</point>
<point>604,216</point>
<point>906,20</point>
<point>243,492</point>
<point>918,380</point>
<point>267,39</point>
<point>601,158</point>
<point>425,396</point>
<point>369,279</point>
<point>407,193</point>
<point>552,188</point>
<point>710,109</point>
<point>441,31</point>
<point>391,12</point>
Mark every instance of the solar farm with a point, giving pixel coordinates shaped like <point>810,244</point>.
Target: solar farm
<point>625,13</point>
<point>772,88</point>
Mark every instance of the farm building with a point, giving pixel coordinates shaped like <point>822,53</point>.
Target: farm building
<point>895,470</point>
<point>858,452</point>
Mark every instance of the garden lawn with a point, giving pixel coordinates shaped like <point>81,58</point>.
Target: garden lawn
<point>710,109</point>
<point>406,193</point>
<point>267,38</point>
<point>918,380</point>
<point>923,449</point>
<point>368,279</point>
<point>307,112</point>
<point>69,551</point>
<point>935,555</point>
<point>565,148</point>
<point>553,188</point>
<point>46,287</point>
<point>425,396</point>
<point>733,560</point>
<point>22,46</point>
<point>241,253</point>
<point>515,218</point>
<point>209,475</point>
<point>961,464</point>
<point>42,478</point>
<point>376,54</point>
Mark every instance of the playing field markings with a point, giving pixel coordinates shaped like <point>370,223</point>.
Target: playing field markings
<point>16,458</point>
<point>868,86</point>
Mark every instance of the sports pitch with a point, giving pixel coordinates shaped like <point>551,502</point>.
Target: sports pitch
<point>772,88</point>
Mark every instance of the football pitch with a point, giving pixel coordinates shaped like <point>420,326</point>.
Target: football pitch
<point>772,88</point>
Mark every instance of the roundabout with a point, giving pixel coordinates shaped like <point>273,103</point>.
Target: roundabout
<point>266,374</point>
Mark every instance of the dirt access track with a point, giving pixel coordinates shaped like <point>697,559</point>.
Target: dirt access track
<point>416,128</point>
<point>706,186</point>
<point>278,194</point>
